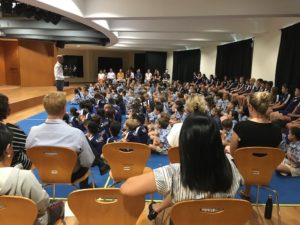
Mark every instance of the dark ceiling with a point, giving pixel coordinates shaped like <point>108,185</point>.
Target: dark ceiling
<point>21,21</point>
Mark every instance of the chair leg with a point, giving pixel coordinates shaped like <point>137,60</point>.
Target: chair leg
<point>257,194</point>
<point>107,182</point>
<point>115,183</point>
<point>93,179</point>
<point>53,191</point>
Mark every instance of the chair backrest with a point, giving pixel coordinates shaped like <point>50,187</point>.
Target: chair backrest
<point>126,159</point>
<point>105,206</point>
<point>257,164</point>
<point>16,210</point>
<point>54,164</point>
<point>173,155</point>
<point>211,212</point>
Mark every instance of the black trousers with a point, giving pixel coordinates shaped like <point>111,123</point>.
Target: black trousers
<point>59,85</point>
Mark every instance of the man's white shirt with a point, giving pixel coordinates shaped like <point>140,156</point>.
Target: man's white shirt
<point>58,71</point>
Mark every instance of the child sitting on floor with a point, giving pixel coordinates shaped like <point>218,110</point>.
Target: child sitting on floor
<point>160,142</point>
<point>227,131</point>
<point>77,97</point>
<point>291,164</point>
<point>129,128</point>
<point>114,130</point>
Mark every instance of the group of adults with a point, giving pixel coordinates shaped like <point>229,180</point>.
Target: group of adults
<point>129,75</point>
<point>111,77</point>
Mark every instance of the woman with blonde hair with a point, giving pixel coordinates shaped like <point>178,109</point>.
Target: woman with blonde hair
<point>193,104</point>
<point>257,131</point>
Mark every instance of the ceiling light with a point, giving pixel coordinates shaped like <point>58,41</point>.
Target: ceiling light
<point>197,39</point>
<point>20,9</point>
<point>102,23</point>
<point>39,14</point>
<point>29,11</point>
<point>116,33</point>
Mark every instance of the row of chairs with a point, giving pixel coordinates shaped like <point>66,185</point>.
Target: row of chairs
<point>129,159</point>
<point>56,164</point>
<point>110,207</point>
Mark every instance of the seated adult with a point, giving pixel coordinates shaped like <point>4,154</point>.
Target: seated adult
<point>20,158</point>
<point>258,130</point>
<point>55,132</point>
<point>120,76</point>
<point>205,171</point>
<point>101,77</point>
<point>14,181</point>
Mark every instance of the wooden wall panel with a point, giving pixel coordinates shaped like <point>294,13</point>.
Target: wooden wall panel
<point>12,63</point>
<point>37,59</point>
<point>2,65</point>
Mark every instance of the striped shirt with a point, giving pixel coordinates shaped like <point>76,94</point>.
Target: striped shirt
<point>168,180</point>
<point>18,142</point>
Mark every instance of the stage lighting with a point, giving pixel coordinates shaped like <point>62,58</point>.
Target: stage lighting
<point>55,19</point>
<point>39,14</point>
<point>6,7</point>
<point>20,9</point>
<point>29,11</point>
<point>47,17</point>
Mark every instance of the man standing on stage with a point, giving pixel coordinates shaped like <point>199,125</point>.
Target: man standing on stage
<point>59,73</point>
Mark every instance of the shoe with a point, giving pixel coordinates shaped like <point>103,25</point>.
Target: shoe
<point>244,196</point>
<point>284,174</point>
<point>152,213</point>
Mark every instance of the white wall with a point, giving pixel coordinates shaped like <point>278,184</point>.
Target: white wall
<point>169,63</point>
<point>208,60</point>
<point>265,53</point>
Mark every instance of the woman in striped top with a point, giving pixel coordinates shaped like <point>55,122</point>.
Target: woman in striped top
<point>204,170</point>
<point>19,137</point>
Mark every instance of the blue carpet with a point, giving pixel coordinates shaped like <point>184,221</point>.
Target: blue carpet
<point>287,187</point>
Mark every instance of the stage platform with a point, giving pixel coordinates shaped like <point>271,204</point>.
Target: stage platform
<point>21,98</point>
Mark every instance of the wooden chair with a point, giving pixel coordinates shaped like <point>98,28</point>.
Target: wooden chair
<point>126,159</point>
<point>173,155</point>
<point>211,212</point>
<point>55,165</point>
<point>105,206</point>
<point>16,210</point>
<point>257,164</point>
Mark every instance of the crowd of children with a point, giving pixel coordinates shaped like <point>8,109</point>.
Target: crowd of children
<point>152,108</point>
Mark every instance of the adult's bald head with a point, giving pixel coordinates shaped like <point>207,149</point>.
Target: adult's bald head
<point>60,58</point>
